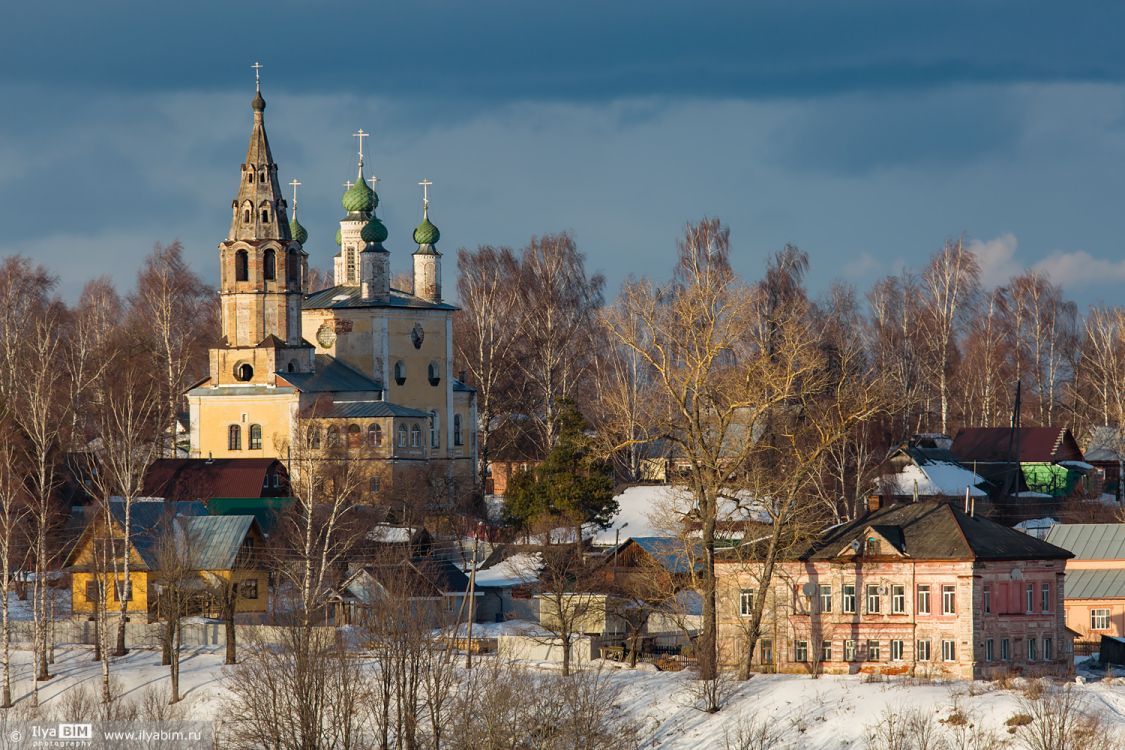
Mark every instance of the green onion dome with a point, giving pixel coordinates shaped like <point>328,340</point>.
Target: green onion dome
<point>338,240</point>
<point>426,233</point>
<point>298,232</point>
<point>359,198</point>
<point>374,231</point>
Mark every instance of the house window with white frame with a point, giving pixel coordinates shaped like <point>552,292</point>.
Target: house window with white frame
<point>924,599</point>
<point>849,650</point>
<point>948,599</point>
<point>848,598</point>
<point>948,650</point>
<point>1099,619</point>
<point>1005,649</point>
<point>873,599</point>
<point>825,598</point>
<point>1030,598</point>
<point>1032,645</point>
<point>1048,649</point>
<point>826,651</point>
<point>987,600</point>
<point>922,652</point>
<point>1045,597</point>
<point>896,650</point>
<point>801,651</point>
<point>873,651</point>
<point>988,650</point>
<point>898,600</point>
<point>746,602</point>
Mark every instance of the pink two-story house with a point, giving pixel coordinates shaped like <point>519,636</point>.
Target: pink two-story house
<point>918,588</point>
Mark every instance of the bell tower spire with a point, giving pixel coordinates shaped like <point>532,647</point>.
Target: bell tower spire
<point>263,269</point>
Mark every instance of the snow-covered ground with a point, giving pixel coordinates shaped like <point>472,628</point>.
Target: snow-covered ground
<point>827,713</point>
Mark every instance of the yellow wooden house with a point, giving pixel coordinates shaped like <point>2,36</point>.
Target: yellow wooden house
<point>214,550</point>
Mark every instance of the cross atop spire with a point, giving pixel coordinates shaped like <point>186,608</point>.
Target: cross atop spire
<point>425,197</point>
<point>360,135</point>
<point>257,66</point>
<point>296,184</point>
<point>374,181</point>
<point>348,184</point>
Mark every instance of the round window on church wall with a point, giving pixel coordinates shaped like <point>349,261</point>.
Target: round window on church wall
<point>243,372</point>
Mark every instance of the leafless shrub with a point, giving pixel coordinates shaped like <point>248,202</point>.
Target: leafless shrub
<point>751,733</point>
<point>1060,719</point>
<point>503,706</point>
<point>153,705</point>
<point>904,729</point>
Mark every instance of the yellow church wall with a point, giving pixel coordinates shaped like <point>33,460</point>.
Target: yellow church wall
<point>212,416</point>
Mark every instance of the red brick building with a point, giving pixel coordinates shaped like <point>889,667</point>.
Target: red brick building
<point>919,588</point>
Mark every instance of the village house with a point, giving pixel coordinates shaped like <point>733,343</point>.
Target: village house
<point>1095,578</point>
<point>220,550</point>
<point>1050,462</point>
<point>915,588</point>
<point>205,478</point>
<point>432,591</point>
<point>919,469</point>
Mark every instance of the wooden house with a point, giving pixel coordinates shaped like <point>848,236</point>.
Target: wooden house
<point>217,551</point>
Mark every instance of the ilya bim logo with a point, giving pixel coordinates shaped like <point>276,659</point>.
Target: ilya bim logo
<point>76,731</point>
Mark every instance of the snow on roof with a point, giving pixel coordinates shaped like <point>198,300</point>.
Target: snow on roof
<point>1080,465</point>
<point>935,479</point>
<point>642,506</point>
<point>390,534</point>
<point>513,571</point>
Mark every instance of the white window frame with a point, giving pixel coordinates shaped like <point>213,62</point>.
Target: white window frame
<point>1048,649</point>
<point>1045,597</point>
<point>845,597</point>
<point>987,599</point>
<point>825,598</point>
<point>800,651</point>
<point>850,650</point>
<point>922,650</point>
<point>948,599</point>
<point>896,649</point>
<point>1099,615</point>
<point>1032,649</point>
<point>874,650</point>
<point>923,595</point>
<point>948,649</point>
<point>746,603</point>
<point>898,599</point>
<point>1005,649</point>
<point>826,651</point>
<point>874,603</point>
<point>1029,597</point>
<point>989,650</point>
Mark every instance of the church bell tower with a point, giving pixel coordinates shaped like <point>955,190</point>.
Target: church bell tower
<point>263,270</point>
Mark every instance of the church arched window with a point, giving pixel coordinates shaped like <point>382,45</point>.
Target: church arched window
<point>435,432</point>
<point>246,216</point>
<point>249,175</point>
<point>415,436</point>
<point>333,437</point>
<point>255,437</point>
<point>269,265</point>
<point>243,372</point>
<point>234,438</point>
<point>457,439</point>
<point>262,175</point>
<point>355,436</point>
<point>292,366</point>
<point>402,436</point>
<point>241,266</point>
<point>400,372</point>
<point>374,436</point>
<point>314,437</point>
<point>265,215</point>
<point>434,373</point>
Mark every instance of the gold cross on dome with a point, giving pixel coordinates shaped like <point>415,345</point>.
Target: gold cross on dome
<point>257,66</point>
<point>295,183</point>
<point>425,192</point>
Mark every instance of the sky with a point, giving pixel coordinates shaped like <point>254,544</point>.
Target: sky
<point>866,133</point>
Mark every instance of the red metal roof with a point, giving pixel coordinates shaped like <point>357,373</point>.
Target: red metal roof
<point>203,479</point>
<point>1037,444</point>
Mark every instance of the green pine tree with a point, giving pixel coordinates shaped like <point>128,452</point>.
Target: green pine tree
<point>573,486</point>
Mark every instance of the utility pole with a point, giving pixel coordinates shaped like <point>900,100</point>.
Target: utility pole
<point>472,608</point>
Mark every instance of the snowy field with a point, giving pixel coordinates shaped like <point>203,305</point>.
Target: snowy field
<point>831,712</point>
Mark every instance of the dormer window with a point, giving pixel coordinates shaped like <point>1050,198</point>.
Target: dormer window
<point>871,547</point>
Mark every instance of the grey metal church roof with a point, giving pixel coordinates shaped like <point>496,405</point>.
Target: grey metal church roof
<point>368,409</point>
<point>1095,584</point>
<point>336,297</point>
